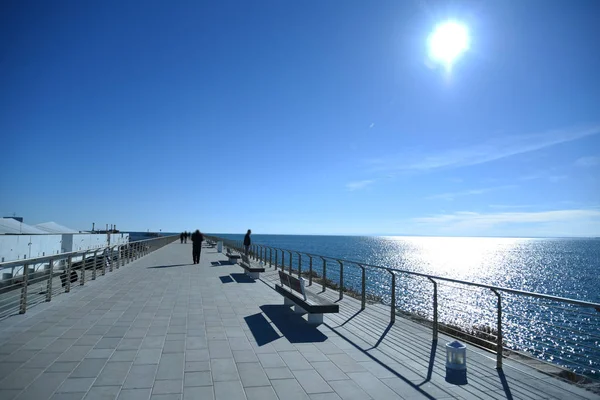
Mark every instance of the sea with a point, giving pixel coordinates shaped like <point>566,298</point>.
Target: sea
<point>554,331</point>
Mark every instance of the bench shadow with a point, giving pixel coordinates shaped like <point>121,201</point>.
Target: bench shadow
<point>241,278</point>
<point>261,329</point>
<point>292,325</point>
<point>226,279</point>
<point>217,263</point>
<point>169,266</point>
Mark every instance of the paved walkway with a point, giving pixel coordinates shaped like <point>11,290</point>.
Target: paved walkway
<point>163,328</point>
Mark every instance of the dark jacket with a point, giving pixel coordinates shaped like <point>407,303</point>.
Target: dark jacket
<point>197,238</point>
<point>247,240</point>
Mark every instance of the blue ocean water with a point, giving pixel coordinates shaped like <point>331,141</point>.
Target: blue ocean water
<point>565,267</point>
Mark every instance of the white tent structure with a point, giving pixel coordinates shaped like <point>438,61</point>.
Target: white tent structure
<point>10,226</point>
<point>54,228</point>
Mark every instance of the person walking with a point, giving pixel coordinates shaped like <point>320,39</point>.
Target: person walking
<point>197,239</point>
<point>181,237</point>
<point>247,241</point>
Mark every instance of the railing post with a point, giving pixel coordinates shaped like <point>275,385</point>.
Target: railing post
<point>290,261</point>
<point>118,256</point>
<point>341,279</point>
<point>270,257</point>
<point>393,305</point>
<point>499,328</point>
<point>104,255</point>
<point>276,258</point>
<point>299,265</point>
<point>82,280</point>
<point>94,265</point>
<point>363,293</point>
<point>69,266</point>
<point>435,309</point>
<point>310,271</point>
<point>123,255</point>
<point>324,273</point>
<point>282,260</point>
<point>23,307</point>
<point>110,258</point>
<point>50,277</point>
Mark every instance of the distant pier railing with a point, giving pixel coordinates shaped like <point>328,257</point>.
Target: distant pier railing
<point>28,282</point>
<point>528,327</point>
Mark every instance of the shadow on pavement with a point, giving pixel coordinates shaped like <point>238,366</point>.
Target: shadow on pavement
<point>169,266</point>
<point>226,279</point>
<point>261,329</point>
<point>292,325</point>
<point>242,278</point>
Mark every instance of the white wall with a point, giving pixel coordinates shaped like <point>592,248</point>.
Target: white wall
<point>17,247</point>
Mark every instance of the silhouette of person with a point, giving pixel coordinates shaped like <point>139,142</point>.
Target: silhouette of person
<point>247,241</point>
<point>197,239</point>
<point>181,237</point>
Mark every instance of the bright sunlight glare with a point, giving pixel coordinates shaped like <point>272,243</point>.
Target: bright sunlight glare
<point>447,42</point>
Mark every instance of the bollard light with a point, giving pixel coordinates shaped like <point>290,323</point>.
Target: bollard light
<point>456,363</point>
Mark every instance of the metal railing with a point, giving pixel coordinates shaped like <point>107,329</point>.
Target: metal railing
<point>28,282</point>
<point>524,325</point>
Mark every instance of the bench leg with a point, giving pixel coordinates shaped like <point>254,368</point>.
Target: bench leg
<point>299,310</point>
<point>287,302</point>
<point>315,319</point>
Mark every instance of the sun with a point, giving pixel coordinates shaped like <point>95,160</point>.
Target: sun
<point>447,42</point>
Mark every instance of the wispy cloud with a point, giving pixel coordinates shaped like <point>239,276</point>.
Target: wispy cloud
<point>490,150</point>
<point>587,162</point>
<point>474,220</point>
<point>372,125</point>
<point>471,192</point>
<point>548,175</point>
<point>359,185</point>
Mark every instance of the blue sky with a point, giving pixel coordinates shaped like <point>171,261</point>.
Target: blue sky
<point>316,117</point>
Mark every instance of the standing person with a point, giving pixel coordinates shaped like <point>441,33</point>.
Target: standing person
<point>181,237</point>
<point>185,236</point>
<point>197,239</point>
<point>247,241</point>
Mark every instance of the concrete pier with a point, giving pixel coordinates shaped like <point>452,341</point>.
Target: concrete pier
<point>164,328</point>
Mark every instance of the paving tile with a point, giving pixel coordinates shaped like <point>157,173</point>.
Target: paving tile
<point>224,369</point>
<point>147,356</point>
<point>171,366</point>
<point>371,385</point>
<point>167,386</point>
<point>261,393</point>
<point>196,342</point>
<point>198,393</point>
<point>197,355</point>
<point>114,373</point>
<point>134,394</point>
<point>252,374</point>
<point>20,378</point>
<point>346,363</point>
<point>98,353</point>
<point>325,396</point>
<point>289,389</point>
<point>76,385</point>
<point>195,366</point>
<point>68,396</point>
<point>229,391</point>
<point>349,390</point>
<point>123,355</point>
<point>89,368</point>
<point>102,393</point>
<point>107,343</point>
<point>200,378</point>
<point>43,386</point>
<point>244,356</point>
<point>294,360</point>
<point>140,377</point>
<point>279,373</point>
<point>171,396</point>
<point>271,360</point>
<point>311,381</point>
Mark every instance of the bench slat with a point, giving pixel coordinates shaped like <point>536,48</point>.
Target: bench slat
<point>313,305</point>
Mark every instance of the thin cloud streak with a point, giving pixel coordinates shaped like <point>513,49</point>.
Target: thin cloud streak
<point>352,186</point>
<point>587,162</point>
<point>492,219</point>
<point>492,150</point>
<point>471,192</point>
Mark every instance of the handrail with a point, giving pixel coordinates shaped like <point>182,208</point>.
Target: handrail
<point>33,286</point>
<point>505,311</point>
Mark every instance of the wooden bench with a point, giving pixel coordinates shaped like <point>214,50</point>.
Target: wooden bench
<point>231,257</point>
<point>292,290</point>
<point>252,272</point>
